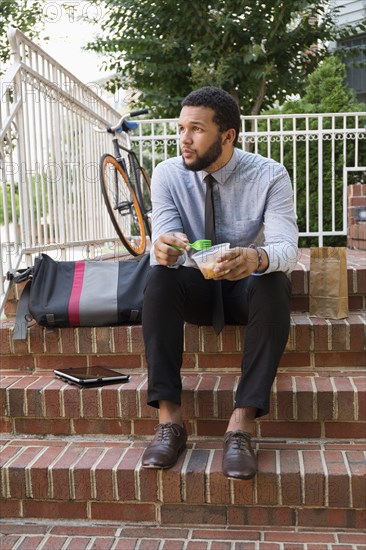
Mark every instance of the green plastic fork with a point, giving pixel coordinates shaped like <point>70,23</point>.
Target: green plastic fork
<point>201,244</point>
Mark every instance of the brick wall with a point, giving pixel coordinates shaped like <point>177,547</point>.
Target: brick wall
<point>356,237</point>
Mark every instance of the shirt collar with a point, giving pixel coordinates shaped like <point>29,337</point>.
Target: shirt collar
<point>225,172</point>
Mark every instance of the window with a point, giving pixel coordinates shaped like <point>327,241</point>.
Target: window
<point>356,75</point>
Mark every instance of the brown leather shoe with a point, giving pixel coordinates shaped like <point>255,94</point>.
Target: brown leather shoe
<point>169,442</point>
<point>238,460</point>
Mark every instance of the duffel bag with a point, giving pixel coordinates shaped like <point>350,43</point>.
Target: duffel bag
<point>81,293</point>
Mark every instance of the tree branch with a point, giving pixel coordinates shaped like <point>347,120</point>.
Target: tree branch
<point>260,97</point>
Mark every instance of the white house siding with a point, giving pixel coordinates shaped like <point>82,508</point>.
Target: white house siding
<point>351,11</point>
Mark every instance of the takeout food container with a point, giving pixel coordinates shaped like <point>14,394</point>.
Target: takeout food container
<point>206,260</point>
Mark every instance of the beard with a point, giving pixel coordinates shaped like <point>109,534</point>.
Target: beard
<point>209,157</point>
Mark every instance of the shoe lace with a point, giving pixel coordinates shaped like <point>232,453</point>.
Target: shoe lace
<point>241,443</point>
<point>165,430</point>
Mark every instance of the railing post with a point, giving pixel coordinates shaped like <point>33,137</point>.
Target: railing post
<point>21,158</point>
<point>320,181</point>
<point>59,172</point>
<point>14,45</point>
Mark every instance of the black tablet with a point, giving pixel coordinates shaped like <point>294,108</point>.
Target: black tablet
<point>91,376</point>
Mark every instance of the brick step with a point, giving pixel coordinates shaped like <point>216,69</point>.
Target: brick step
<point>330,405</point>
<point>114,536</point>
<point>356,271</point>
<point>312,484</point>
<point>315,342</point>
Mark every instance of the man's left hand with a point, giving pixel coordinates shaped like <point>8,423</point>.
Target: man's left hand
<point>238,263</point>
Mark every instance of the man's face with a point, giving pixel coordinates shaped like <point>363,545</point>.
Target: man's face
<point>200,139</point>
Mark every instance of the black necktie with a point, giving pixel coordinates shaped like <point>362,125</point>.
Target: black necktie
<point>209,210</point>
<point>218,318</point>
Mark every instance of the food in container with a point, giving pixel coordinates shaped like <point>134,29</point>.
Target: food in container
<point>206,260</point>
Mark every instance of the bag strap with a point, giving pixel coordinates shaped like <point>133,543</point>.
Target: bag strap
<point>20,275</point>
<point>21,323</point>
<point>134,315</point>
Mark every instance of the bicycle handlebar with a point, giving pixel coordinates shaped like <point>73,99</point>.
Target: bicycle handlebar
<point>139,112</point>
<point>125,117</point>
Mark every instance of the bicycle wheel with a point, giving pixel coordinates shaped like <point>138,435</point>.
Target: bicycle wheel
<point>145,187</point>
<point>142,186</point>
<point>122,205</point>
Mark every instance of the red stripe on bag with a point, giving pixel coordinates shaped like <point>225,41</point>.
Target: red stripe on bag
<point>77,287</point>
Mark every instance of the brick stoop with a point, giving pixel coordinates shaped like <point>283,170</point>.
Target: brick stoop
<point>300,283</point>
<point>303,405</point>
<point>356,271</point>
<point>299,484</point>
<point>313,342</point>
<point>70,453</point>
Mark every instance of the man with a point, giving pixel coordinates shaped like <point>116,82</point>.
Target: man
<point>252,203</point>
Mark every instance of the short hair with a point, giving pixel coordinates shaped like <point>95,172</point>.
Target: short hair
<point>226,110</point>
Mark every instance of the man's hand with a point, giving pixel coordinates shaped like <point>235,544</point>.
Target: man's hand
<point>238,263</point>
<point>167,255</point>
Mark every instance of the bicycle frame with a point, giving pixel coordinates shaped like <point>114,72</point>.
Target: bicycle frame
<point>118,147</point>
<point>133,172</point>
<point>133,195</point>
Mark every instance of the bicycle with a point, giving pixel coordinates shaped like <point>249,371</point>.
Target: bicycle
<point>126,187</point>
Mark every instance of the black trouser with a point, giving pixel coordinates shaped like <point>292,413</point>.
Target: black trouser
<point>173,296</point>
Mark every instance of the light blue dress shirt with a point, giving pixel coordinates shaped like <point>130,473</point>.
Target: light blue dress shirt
<point>253,201</point>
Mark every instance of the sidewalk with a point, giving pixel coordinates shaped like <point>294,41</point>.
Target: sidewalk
<point>17,535</point>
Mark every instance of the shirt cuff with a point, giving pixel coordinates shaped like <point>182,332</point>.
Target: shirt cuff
<point>281,257</point>
<point>180,261</point>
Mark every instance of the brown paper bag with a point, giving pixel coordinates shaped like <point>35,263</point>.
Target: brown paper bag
<point>328,288</point>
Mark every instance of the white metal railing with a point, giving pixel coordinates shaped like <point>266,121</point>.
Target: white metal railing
<point>322,152</point>
<point>49,158</point>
